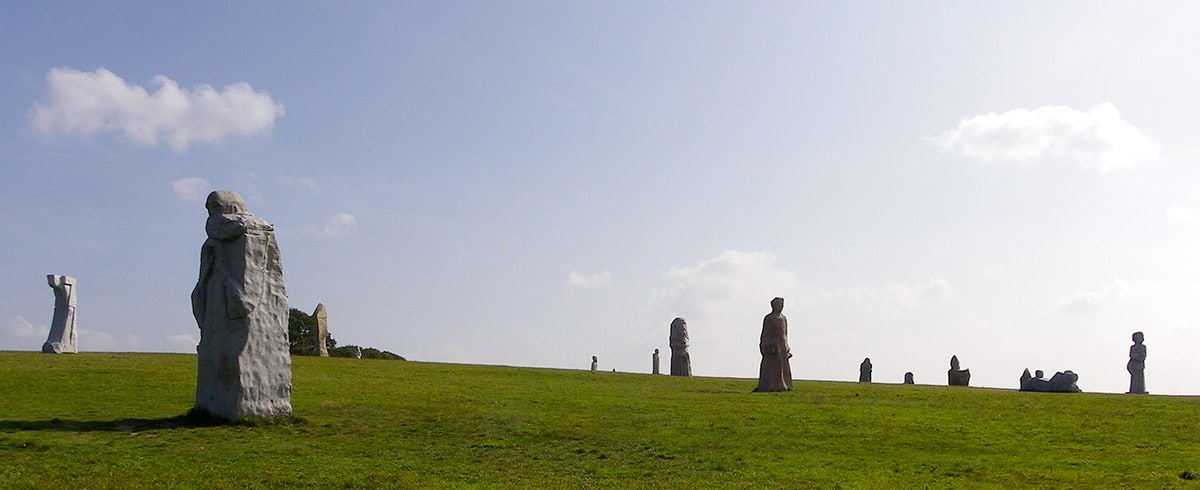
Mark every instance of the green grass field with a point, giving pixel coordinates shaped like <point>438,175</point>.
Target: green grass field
<point>113,421</point>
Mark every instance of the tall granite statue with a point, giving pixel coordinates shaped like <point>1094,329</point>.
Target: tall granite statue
<point>957,375</point>
<point>243,366</point>
<point>595,363</point>
<point>63,337</point>
<point>1061,382</point>
<point>320,331</point>
<point>908,378</point>
<point>654,362</point>
<point>681,361</point>
<point>864,371</point>
<point>775,371</point>
<point>1137,365</point>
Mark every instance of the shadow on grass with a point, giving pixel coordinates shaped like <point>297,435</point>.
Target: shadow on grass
<point>192,419</point>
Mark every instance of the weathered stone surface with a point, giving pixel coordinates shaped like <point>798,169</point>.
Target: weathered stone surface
<point>681,361</point>
<point>1137,365</point>
<point>63,336</point>
<point>240,304</point>
<point>864,371</point>
<point>1024,377</point>
<point>654,362</point>
<point>595,363</point>
<point>908,378</point>
<point>1061,382</point>
<point>957,376</point>
<point>320,331</point>
<point>775,371</point>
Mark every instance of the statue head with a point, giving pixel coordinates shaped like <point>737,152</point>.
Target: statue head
<point>1138,337</point>
<point>678,322</point>
<point>656,352</point>
<point>594,359</point>
<point>777,304</point>
<point>954,363</point>
<point>1039,374</point>
<point>224,202</point>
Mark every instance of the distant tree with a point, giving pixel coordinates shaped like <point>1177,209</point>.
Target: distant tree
<point>367,353</point>
<point>300,333</point>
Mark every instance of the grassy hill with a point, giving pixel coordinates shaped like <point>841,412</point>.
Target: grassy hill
<point>113,421</point>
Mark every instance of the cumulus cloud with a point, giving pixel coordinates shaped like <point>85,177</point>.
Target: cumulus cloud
<point>1087,302</point>
<point>588,281</point>
<point>727,288</point>
<point>337,225</point>
<point>87,103</point>
<point>1099,139</point>
<point>193,189</point>
<point>17,333</point>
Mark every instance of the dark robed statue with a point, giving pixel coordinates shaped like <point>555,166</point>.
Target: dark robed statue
<point>775,371</point>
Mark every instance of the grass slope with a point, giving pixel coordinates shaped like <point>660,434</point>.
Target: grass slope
<point>112,421</point>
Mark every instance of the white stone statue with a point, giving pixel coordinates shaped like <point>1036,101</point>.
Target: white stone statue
<point>320,331</point>
<point>62,338</point>
<point>654,362</point>
<point>243,366</point>
<point>595,363</point>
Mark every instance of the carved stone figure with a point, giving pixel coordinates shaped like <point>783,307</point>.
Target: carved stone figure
<point>908,378</point>
<point>681,361</point>
<point>775,371</point>
<point>1061,382</point>
<point>63,337</point>
<point>958,376</point>
<point>654,361</point>
<point>595,363</point>
<point>320,331</point>
<point>243,366</point>
<point>1137,365</point>
<point>357,352</point>
<point>864,371</point>
<point>1024,377</point>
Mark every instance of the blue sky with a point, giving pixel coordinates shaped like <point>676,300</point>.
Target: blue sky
<point>536,183</point>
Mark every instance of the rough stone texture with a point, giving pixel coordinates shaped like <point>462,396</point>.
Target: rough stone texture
<point>63,337</point>
<point>243,366</point>
<point>654,362</point>
<point>1024,377</point>
<point>320,332</point>
<point>908,378</point>
<point>1137,365</point>
<point>595,363</point>
<point>681,361</point>
<point>864,371</point>
<point>1061,382</point>
<point>775,371</point>
<point>957,376</point>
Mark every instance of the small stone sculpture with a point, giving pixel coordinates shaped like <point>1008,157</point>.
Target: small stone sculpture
<point>357,352</point>
<point>1061,382</point>
<point>908,378</point>
<point>775,371</point>
<point>1137,365</point>
<point>1024,377</point>
<point>681,361</point>
<point>62,338</point>
<point>864,371</point>
<point>595,363</point>
<point>320,331</point>
<point>243,365</point>
<point>958,377</point>
<point>654,361</point>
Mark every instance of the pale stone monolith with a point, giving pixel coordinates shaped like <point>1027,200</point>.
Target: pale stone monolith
<point>908,378</point>
<point>775,370</point>
<point>1137,365</point>
<point>63,337</point>
<point>595,363</point>
<point>864,371</point>
<point>320,331</point>
<point>654,362</point>
<point>1061,382</point>
<point>681,361</point>
<point>240,304</point>
<point>956,375</point>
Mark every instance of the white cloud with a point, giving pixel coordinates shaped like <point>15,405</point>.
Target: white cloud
<point>1181,214</point>
<point>1086,302</point>
<point>1100,139</point>
<point>587,281</point>
<point>181,343</point>
<point>337,225</point>
<point>86,103</point>
<point>302,183</point>
<point>100,341</point>
<point>193,189</point>
<point>16,333</point>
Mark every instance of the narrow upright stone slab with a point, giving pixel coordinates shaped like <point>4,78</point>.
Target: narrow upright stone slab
<point>320,331</point>
<point>63,337</point>
<point>595,363</point>
<point>956,375</point>
<point>243,366</point>
<point>864,371</point>
<point>681,361</point>
<point>654,362</point>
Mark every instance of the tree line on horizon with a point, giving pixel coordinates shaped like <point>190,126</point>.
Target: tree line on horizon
<point>300,340</point>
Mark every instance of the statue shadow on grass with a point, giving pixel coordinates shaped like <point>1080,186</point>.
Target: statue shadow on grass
<point>192,419</point>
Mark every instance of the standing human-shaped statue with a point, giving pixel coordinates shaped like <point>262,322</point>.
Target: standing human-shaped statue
<point>595,363</point>
<point>63,337</point>
<point>908,378</point>
<point>654,362</point>
<point>320,331</point>
<point>1137,365</point>
<point>864,371</point>
<point>958,376</point>
<point>775,371</point>
<point>243,366</point>
<point>681,361</point>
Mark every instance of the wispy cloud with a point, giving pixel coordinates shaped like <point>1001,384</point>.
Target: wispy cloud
<point>337,225</point>
<point>17,333</point>
<point>192,189</point>
<point>1099,139</point>
<point>302,183</point>
<point>1086,302</point>
<point>587,281</point>
<point>87,103</point>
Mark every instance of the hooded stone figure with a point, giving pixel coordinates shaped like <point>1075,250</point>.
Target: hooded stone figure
<point>681,361</point>
<point>775,371</point>
<point>243,365</point>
